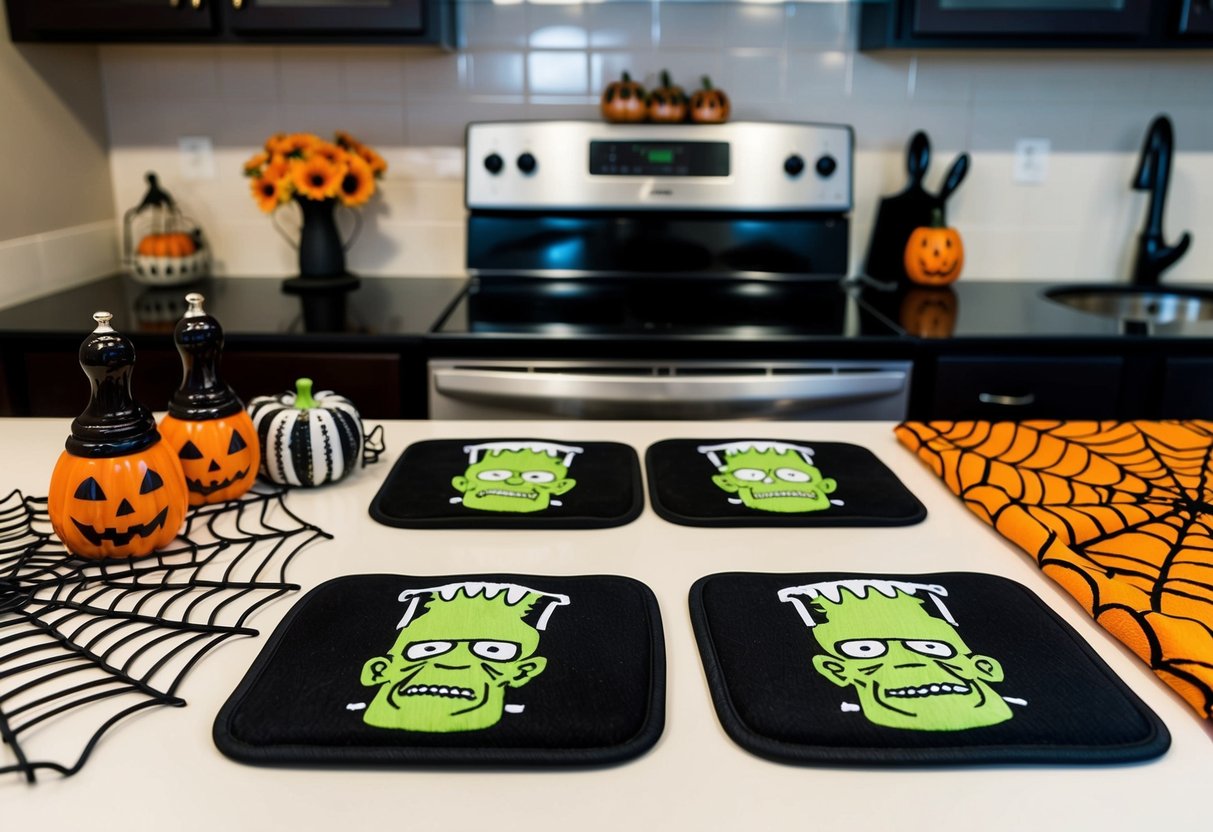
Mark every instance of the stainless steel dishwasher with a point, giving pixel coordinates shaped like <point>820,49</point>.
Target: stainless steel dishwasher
<point>636,243</point>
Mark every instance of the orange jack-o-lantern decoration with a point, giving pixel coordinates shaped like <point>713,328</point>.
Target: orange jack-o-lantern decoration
<point>220,457</point>
<point>929,312</point>
<point>709,105</point>
<point>117,490</point>
<point>118,507</point>
<point>623,101</point>
<point>934,254</point>
<point>206,425</point>
<point>667,104</point>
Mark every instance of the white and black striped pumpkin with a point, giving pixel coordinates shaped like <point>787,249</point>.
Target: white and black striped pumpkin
<point>307,440</point>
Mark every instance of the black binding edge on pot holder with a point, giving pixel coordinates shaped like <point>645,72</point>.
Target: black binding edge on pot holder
<point>712,508</point>
<point>473,757</point>
<point>381,505</point>
<point>1154,741</point>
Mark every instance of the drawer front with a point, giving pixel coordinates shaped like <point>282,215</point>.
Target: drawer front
<point>1013,388</point>
<point>1187,389</point>
<point>57,387</point>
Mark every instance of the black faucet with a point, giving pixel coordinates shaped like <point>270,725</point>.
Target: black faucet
<point>1154,256</point>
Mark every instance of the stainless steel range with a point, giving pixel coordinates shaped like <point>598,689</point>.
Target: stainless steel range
<point>642,239</point>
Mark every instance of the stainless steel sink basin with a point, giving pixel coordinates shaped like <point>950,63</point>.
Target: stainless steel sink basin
<point>1153,305</point>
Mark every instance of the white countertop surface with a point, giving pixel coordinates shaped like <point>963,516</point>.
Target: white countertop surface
<point>160,770</point>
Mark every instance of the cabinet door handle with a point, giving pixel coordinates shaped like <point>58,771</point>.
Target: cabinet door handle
<point>237,4</point>
<point>1006,401</point>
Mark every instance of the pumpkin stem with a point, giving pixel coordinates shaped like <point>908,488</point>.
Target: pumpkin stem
<point>937,220</point>
<point>627,78</point>
<point>707,83</point>
<point>665,78</point>
<point>303,394</point>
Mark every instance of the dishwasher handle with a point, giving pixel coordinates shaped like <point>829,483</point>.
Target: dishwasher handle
<point>550,392</point>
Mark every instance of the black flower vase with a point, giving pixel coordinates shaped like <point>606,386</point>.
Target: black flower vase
<point>321,252</point>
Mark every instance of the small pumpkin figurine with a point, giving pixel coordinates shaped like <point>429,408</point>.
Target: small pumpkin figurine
<point>667,104</point>
<point>206,425</point>
<point>307,440</point>
<point>709,105</point>
<point>934,253</point>
<point>623,101</point>
<point>117,490</point>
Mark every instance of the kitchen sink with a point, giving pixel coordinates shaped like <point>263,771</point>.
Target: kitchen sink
<point>1147,304</point>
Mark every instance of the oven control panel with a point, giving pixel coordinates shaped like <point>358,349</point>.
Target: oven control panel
<point>592,165</point>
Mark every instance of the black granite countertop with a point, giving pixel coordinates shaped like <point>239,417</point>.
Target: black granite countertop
<point>391,309</point>
<point>251,309</point>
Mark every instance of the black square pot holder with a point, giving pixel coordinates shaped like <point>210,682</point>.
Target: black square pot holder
<point>481,670</point>
<point>947,668</point>
<point>768,482</point>
<point>511,483</point>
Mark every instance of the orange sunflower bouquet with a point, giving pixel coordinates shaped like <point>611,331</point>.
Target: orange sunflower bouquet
<point>305,166</point>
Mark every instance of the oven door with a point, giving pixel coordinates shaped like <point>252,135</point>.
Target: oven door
<point>835,390</point>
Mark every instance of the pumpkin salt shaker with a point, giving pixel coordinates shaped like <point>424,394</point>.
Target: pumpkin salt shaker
<point>117,490</point>
<point>307,440</point>
<point>206,425</point>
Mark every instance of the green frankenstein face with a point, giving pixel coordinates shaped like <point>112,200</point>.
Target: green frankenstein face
<point>453,661</point>
<point>909,668</point>
<point>515,477</point>
<point>770,476</point>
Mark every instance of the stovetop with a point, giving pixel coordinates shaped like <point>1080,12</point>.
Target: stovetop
<point>661,307</point>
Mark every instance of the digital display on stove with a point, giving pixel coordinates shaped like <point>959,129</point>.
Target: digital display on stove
<point>644,158</point>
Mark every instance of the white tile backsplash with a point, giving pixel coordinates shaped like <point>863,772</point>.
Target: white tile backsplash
<point>789,61</point>
<point>40,264</point>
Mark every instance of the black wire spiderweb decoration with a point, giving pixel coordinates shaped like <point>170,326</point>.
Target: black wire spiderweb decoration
<point>83,641</point>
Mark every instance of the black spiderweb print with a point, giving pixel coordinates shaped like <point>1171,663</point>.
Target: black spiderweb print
<point>1119,513</point>
<point>85,643</point>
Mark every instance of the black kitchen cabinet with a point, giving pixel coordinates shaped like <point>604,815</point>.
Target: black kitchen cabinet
<point>893,24</point>
<point>233,21</point>
<point>1188,388</point>
<point>373,381</point>
<point>998,387</point>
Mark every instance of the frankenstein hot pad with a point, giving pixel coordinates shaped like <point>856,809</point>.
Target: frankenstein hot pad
<point>767,482</point>
<point>477,670</point>
<point>909,669</point>
<point>511,483</point>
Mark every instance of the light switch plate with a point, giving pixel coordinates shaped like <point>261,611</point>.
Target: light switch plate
<point>1031,163</point>
<point>196,157</point>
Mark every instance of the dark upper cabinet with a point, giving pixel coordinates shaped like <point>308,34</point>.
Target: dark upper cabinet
<point>233,21</point>
<point>1035,23</point>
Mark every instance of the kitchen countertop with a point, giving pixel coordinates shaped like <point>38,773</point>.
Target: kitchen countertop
<point>169,773</point>
<point>385,309</point>
<point>251,309</point>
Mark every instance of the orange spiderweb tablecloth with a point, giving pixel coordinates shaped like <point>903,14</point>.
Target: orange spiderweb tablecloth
<point>1119,513</point>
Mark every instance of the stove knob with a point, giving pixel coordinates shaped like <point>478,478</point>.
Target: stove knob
<point>526,163</point>
<point>826,165</point>
<point>493,163</point>
<point>793,165</point>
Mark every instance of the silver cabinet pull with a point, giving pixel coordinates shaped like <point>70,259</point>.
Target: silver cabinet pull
<point>1006,401</point>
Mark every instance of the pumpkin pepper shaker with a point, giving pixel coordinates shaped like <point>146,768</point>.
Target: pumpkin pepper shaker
<point>117,490</point>
<point>206,425</point>
<point>307,440</point>
<point>934,254</point>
